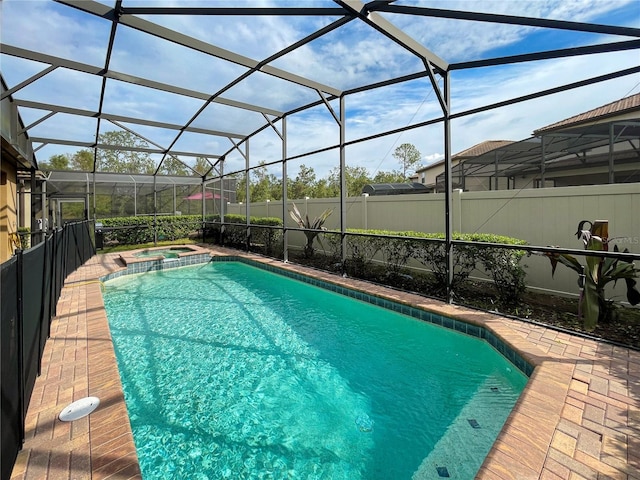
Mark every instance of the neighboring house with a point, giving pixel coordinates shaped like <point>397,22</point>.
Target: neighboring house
<point>17,158</point>
<point>596,147</point>
<point>429,174</point>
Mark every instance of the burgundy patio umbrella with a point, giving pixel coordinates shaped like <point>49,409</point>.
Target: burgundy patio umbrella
<point>198,196</point>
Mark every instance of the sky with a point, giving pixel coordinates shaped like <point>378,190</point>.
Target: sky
<point>348,57</point>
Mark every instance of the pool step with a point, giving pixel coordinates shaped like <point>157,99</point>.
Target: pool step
<point>461,451</point>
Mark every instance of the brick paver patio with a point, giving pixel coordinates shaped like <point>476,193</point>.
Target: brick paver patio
<point>578,417</point>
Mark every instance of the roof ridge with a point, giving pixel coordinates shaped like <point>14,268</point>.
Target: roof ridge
<point>618,106</point>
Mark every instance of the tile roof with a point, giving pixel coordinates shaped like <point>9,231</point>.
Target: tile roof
<point>481,148</point>
<point>623,105</point>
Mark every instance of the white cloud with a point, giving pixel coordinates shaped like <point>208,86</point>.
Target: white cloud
<point>457,41</point>
<point>432,158</point>
<point>54,29</point>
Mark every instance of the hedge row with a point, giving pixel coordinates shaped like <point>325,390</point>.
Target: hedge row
<point>139,230</point>
<point>262,238</point>
<point>501,264</point>
<point>395,249</point>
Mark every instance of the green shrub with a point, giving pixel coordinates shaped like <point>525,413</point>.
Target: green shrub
<point>431,252</point>
<point>501,264</point>
<point>360,252</point>
<point>264,240</point>
<point>138,230</point>
<point>395,252</point>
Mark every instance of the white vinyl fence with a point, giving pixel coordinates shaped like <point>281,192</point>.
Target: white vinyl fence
<point>542,217</point>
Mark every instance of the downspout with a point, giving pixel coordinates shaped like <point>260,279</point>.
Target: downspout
<point>542,164</point>
<point>612,176</point>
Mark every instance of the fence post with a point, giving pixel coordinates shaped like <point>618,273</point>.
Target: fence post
<point>19,330</point>
<point>457,210</point>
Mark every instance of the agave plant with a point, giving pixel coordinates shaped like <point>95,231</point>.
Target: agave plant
<point>598,272</point>
<point>311,228</point>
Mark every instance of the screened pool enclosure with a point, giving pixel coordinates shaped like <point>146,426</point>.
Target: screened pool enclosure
<point>145,109</point>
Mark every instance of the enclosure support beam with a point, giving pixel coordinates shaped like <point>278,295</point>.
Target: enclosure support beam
<point>448,187</point>
<point>27,82</point>
<point>285,232</point>
<point>45,217</point>
<point>155,212</point>
<point>94,197</point>
<point>87,194</point>
<point>343,184</point>
<point>222,203</point>
<point>248,191</point>
<point>135,196</point>
<point>204,206</point>
<point>32,201</point>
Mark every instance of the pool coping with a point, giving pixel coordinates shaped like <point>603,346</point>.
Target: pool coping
<point>578,415</point>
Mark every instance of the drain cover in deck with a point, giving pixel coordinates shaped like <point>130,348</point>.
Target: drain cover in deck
<point>78,409</point>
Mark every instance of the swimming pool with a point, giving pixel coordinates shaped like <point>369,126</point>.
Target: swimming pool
<point>230,371</point>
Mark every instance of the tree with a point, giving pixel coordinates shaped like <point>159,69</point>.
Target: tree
<point>355,179</point>
<point>56,162</point>
<point>82,160</point>
<point>173,166</point>
<point>394,176</point>
<point>130,160</point>
<point>408,156</point>
<point>241,188</point>
<point>322,189</point>
<point>259,188</point>
<point>275,188</point>
<point>263,186</point>
<point>304,183</point>
<point>202,166</point>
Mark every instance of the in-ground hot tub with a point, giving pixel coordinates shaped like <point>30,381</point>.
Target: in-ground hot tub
<point>161,253</point>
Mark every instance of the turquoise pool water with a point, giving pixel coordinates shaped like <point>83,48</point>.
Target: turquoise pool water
<point>230,371</point>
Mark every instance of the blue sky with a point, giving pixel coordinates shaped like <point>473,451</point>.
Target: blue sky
<point>351,56</point>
